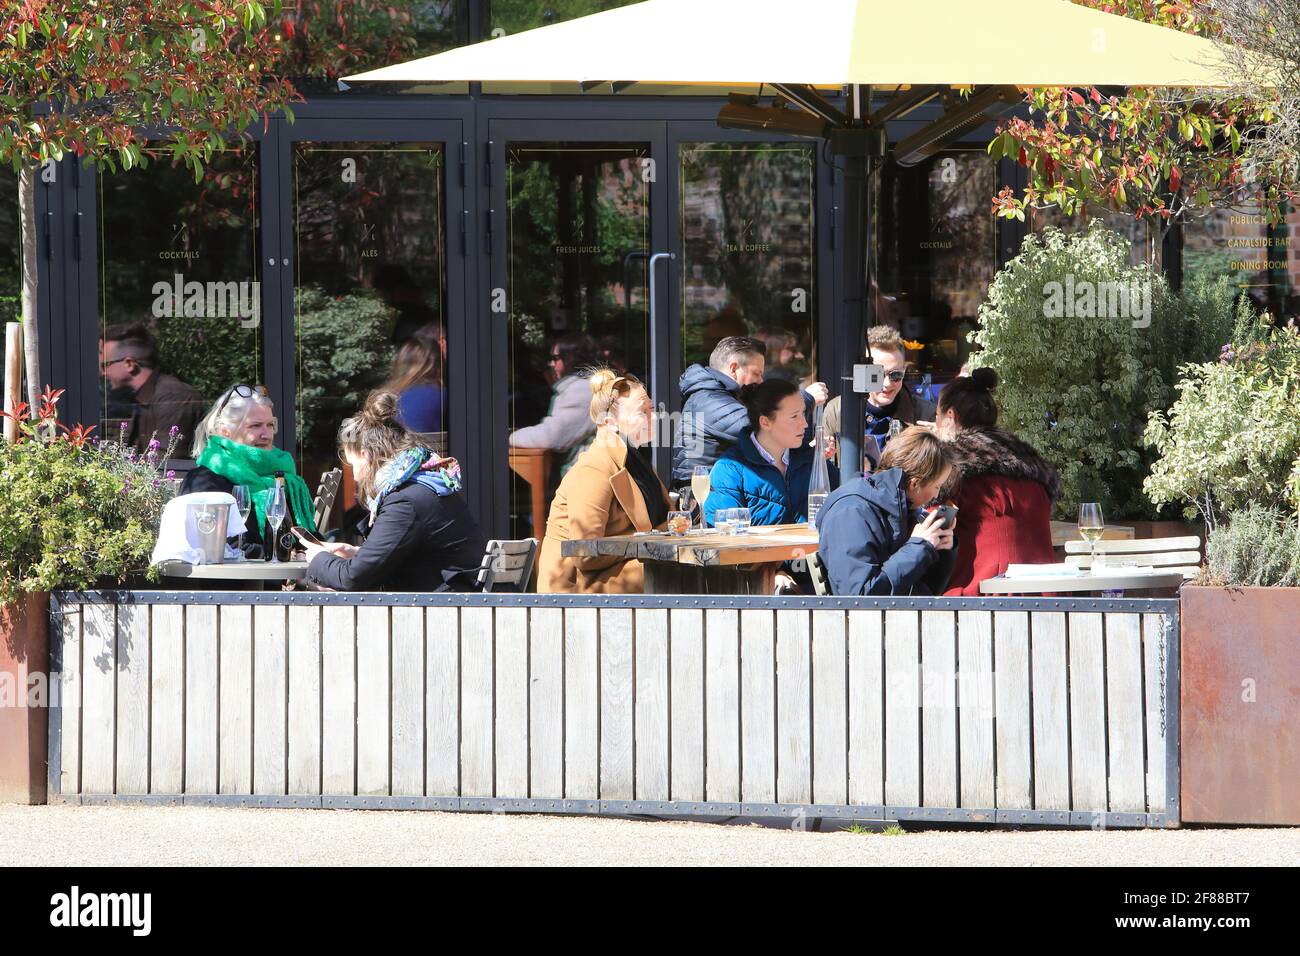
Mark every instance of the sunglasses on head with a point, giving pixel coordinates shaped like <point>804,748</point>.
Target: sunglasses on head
<point>243,391</point>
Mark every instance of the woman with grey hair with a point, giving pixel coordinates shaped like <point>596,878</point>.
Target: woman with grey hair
<point>235,445</point>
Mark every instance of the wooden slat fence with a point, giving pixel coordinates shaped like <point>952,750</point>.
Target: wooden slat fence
<point>994,710</point>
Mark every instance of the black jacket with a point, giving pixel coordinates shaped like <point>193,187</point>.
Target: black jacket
<point>421,541</point>
<point>866,542</point>
<point>713,418</point>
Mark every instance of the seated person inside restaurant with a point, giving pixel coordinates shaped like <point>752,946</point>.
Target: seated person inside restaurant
<point>875,538</point>
<point>417,381</point>
<point>567,425</point>
<point>892,403</point>
<point>1007,488</point>
<point>610,490</point>
<point>419,534</point>
<point>139,393</point>
<point>713,416</point>
<point>235,445</point>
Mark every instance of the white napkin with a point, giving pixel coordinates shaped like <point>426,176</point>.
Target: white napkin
<point>1044,571</point>
<point>178,537</point>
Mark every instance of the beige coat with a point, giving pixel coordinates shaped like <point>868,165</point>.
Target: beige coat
<point>598,498</point>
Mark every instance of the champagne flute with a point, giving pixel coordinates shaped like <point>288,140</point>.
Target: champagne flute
<point>1091,526</point>
<point>276,509</point>
<point>700,485</point>
<point>243,504</point>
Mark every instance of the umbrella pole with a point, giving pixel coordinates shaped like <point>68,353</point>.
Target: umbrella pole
<point>860,145</point>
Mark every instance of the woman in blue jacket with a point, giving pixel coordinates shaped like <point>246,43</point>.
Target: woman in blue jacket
<point>767,470</point>
<point>874,535</point>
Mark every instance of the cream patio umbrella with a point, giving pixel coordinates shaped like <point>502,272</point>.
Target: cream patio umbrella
<point>918,50</point>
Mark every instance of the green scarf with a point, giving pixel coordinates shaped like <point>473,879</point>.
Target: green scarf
<point>256,468</point>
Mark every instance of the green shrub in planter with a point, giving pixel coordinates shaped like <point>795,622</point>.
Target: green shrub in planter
<point>76,511</point>
<point>1258,547</point>
<point>1232,439</point>
<point>1087,345</point>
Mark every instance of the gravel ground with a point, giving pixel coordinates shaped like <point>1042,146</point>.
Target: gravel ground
<point>160,836</point>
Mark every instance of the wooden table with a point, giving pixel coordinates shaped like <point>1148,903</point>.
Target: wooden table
<point>1116,580</point>
<point>263,571</point>
<point>533,465</point>
<point>1063,531</point>
<point>709,563</point>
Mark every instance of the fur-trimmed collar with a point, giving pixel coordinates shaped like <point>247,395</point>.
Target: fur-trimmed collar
<point>992,451</point>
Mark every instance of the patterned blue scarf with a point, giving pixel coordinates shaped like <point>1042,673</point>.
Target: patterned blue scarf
<point>420,465</point>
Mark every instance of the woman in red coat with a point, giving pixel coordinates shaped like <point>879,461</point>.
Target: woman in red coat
<point>1005,499</point>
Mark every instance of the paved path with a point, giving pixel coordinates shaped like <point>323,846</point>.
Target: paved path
<point>159,836</point>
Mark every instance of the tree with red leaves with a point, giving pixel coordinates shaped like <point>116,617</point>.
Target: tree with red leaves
<point>1162,156</point>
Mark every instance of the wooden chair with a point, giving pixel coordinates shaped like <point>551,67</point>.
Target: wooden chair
<point>817,570</point>
<point>325,495</point>
<point>1169,554</point>
<point>508,565</point>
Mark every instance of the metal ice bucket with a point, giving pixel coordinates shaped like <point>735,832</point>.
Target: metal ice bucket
<point>210,522</point>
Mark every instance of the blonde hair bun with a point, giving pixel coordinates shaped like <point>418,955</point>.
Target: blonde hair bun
<point>601,379</point>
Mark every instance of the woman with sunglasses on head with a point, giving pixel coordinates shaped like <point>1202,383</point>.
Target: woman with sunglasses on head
<point>235,445</point>
<point>419,534</point>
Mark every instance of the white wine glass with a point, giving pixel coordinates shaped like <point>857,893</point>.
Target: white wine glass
<point>1091,526</point>
<point>276,509</point>
<point>244,505</point>
<point>700,486</point>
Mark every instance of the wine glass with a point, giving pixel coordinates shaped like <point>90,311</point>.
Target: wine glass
<point>684,496</point>
<point>700,485</point>
<point>243,504</point>
<point>1091,526</point>
<point>276,509</point>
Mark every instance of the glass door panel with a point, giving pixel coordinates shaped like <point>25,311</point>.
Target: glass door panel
<point>10,247</point>
<point>748,241</point>
<point>369,288</point>
<point>179,297</point>
<point>578,240</point>
<point>936,254</point>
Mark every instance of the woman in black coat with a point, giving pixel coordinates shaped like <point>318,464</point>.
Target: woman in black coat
<point>419,535</point>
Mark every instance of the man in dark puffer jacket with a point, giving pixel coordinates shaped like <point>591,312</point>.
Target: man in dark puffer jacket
<point>713,417</point>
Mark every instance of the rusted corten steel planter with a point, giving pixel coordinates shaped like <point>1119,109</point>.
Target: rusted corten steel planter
<point>24,655</point>
<point>1241,705</point>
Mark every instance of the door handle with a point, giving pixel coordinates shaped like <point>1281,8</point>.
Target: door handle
<point>655,358</point>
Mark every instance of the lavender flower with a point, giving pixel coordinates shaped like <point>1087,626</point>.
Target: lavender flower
<point>171,475</point>
<point>154,444</point>
<point>174,431</point>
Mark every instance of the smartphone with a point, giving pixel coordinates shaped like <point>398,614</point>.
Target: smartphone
<point>305,536</point>
<point>948,513</point>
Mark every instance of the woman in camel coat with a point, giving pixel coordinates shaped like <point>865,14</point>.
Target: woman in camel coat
<point>610,490</point>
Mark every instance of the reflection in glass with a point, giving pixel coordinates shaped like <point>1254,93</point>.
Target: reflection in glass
<point>747,251</point>
<point>370,279</point>
<point>515,16</point>
<point>180,302</point>
<point>937,253</point>
<point>324,40</point>
<point>1238,244</point>
<point>578,221</point>
<point>1131,228</point>
<point>10,247</point>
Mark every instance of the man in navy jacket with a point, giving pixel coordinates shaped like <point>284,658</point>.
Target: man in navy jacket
<point>713,417</point>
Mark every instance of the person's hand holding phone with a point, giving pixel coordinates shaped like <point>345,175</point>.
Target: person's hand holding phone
<point>932,530</point>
